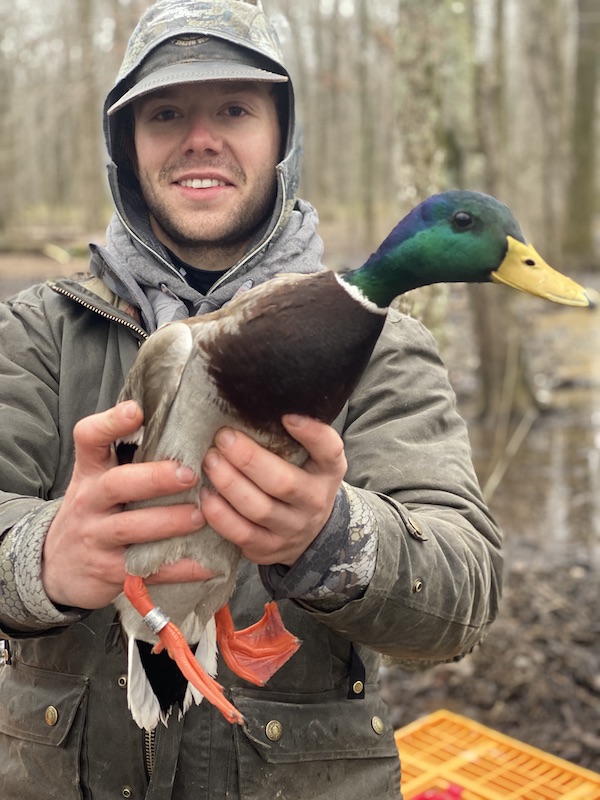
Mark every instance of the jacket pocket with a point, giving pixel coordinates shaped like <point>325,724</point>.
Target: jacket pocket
<point>319,748</point>
<point>41,728</point>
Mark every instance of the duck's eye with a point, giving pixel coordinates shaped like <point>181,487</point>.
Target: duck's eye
<point>463,220</point>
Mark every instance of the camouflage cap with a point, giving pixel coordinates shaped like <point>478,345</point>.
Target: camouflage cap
<point>191,58</point>
<point>237,32</point>
<point>239,22</point>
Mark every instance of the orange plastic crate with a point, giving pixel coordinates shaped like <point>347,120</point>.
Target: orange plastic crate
<point>445,749</point>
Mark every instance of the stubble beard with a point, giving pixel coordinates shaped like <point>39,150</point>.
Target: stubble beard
<point>233,232</point>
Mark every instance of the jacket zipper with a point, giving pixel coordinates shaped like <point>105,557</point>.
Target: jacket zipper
<point>149,751</point>
<point>149,743</point>
<point>261,245</point>
<point>100,311</point>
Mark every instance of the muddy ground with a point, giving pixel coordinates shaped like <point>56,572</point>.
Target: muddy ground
<point>537,675</point>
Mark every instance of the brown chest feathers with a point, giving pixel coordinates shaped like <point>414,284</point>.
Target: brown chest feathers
<point>299,349</point>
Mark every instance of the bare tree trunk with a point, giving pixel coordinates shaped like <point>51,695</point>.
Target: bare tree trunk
<point>367,135</point>
<point>546,68</point>
<point>7,173</point>
<point>421,23</point>
<point>578,236</point>
<point>496,333</point>
<point>90,192</point>
<point>321,93</point>
<point>490,103</point>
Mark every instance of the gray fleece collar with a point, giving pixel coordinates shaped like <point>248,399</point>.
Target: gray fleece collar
<point>144,277</point>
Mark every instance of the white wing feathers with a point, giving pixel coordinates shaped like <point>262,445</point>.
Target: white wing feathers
<point>143,705</point>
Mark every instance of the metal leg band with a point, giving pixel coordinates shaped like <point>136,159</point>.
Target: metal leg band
<point>156,620</point>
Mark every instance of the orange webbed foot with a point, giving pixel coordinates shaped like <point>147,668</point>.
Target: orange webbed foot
<point>174,642</point>
<point>257,652</point>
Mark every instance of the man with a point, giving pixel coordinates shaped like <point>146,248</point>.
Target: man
<point>380,544</point>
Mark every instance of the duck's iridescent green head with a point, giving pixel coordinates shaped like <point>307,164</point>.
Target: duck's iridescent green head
<point>459,236</point>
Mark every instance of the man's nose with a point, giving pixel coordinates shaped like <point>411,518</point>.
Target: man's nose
<point>202,134</point>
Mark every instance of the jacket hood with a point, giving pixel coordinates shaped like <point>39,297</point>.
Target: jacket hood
<point>237,23</point>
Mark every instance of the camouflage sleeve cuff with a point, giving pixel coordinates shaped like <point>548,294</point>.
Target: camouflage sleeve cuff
<point>24,605</point>
<point>339,564</point>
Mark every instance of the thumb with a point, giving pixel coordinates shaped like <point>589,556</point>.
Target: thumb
<point>94,435</point>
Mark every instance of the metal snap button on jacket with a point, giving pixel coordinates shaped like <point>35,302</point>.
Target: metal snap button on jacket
<point>51,716</point>
<point>274,730</point>
<point>378,725</point>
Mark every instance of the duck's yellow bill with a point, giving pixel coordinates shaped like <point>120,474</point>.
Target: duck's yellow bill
<point>523,268</point>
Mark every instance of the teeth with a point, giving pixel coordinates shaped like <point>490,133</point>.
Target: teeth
<point>204,183</point>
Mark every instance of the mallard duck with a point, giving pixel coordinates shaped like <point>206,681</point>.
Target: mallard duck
<point>295,344</point>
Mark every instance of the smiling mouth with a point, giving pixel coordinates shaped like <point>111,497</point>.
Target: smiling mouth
<point>201,183</point>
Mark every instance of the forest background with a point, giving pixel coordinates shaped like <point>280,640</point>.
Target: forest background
<point>399,99</point>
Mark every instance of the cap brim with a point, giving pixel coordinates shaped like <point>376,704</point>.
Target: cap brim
<point>193,72</point>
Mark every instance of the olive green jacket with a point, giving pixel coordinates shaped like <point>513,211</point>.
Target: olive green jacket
<point>65,730</point>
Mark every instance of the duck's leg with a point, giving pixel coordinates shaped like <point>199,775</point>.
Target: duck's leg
<point>257,652</point>
<point>175,644</point>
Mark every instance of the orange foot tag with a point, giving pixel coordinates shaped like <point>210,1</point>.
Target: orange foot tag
<point>257,652</point>
<point>173,641</point>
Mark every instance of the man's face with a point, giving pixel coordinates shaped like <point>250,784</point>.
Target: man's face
<point>205,157</point>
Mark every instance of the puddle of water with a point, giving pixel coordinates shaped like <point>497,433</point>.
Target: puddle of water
<point>548,500</point>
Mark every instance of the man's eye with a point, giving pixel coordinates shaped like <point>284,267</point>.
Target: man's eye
<point>166,114</point>
<point>235,111</point>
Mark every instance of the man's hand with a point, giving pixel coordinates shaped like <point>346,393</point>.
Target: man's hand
<point>271,509</point>
<point>84,554</point>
